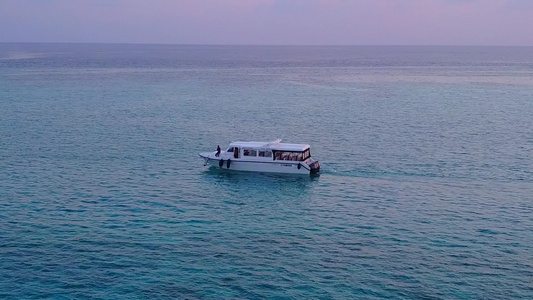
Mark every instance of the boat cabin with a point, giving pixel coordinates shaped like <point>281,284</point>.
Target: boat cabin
<point>270,151</point>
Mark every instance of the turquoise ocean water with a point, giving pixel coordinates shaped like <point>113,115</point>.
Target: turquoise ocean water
<point>426,189</point>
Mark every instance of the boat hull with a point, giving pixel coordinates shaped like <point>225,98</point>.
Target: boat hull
<point>285,167</point>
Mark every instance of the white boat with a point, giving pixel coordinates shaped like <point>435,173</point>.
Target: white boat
<point>271,157</point>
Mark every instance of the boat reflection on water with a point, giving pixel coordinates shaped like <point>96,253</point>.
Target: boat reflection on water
<point>261,184</point>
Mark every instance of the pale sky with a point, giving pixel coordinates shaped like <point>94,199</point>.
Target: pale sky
<point>264,22</point>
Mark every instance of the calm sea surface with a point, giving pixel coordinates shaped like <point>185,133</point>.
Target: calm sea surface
<point>426,189</point>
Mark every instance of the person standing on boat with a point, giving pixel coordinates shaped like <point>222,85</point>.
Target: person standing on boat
<point>218,151</point>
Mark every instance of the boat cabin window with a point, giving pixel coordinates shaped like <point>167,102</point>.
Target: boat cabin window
<point>306,154</point>
<point>291,155</point>
<point>265,153</point>
<point>250,152</point>
<point>230,149</point>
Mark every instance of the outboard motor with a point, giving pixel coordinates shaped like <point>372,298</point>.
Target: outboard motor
<point>221,163</point>
<point>315,167</point>
<point>228,163</point>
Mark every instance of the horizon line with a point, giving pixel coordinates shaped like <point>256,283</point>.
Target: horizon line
<point>266,45</point>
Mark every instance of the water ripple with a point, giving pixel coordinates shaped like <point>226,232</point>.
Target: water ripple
<point>425,190</point>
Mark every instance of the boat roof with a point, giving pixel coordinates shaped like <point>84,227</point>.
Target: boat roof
<point>271,145</point>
